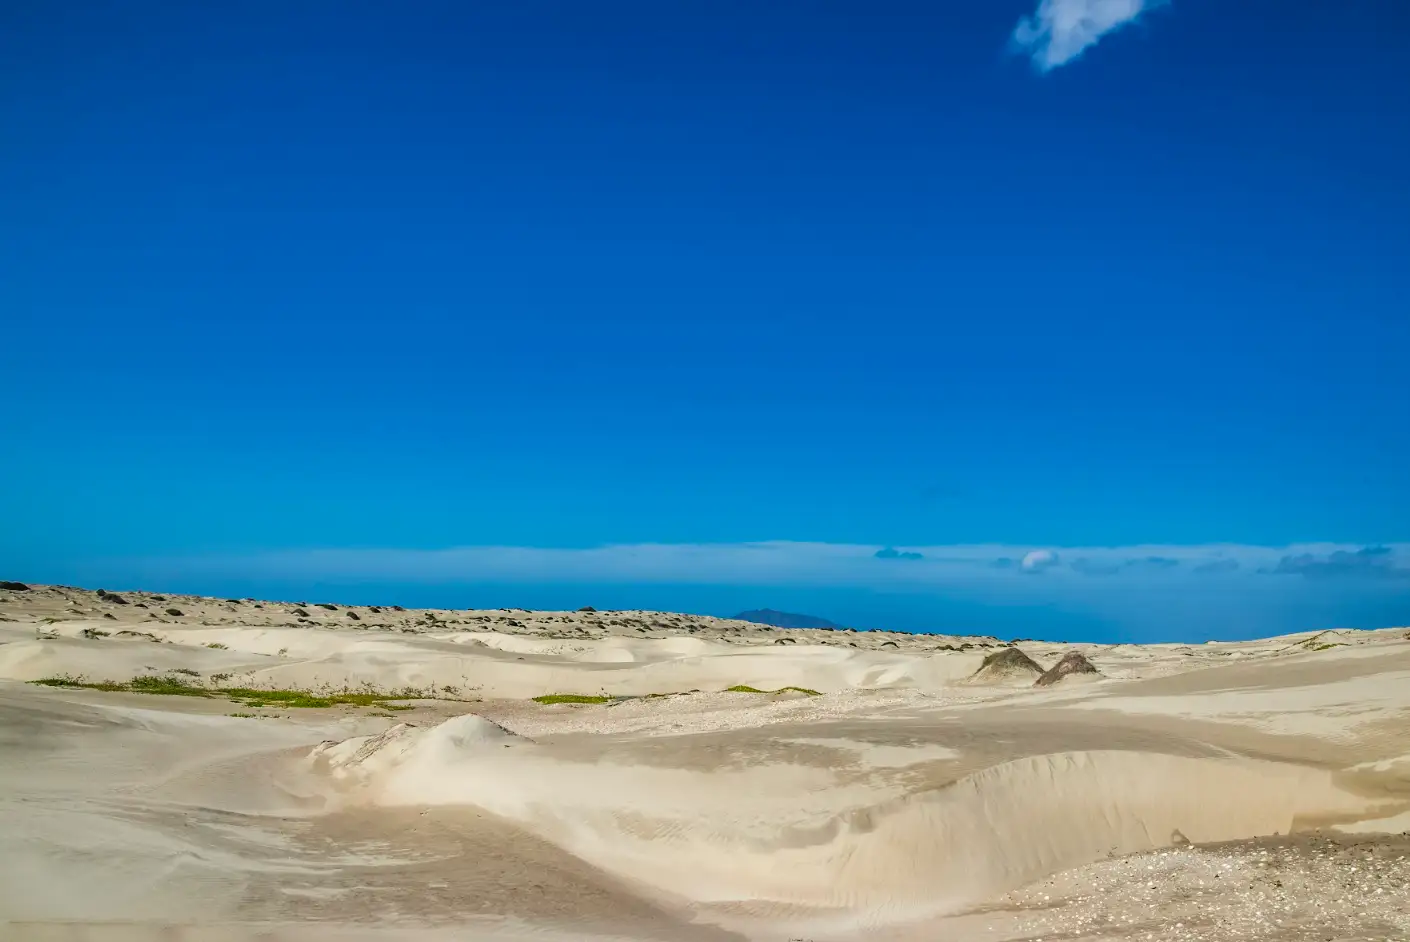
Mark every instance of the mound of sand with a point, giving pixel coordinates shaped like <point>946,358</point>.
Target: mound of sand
<point>1073,668</point>
<point>1009,667</point>
<point>363,766</point>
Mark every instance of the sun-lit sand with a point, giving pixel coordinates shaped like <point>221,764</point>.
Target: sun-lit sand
<point>853,785</point>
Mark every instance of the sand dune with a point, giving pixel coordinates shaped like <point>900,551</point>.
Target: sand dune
<point>387,776</point>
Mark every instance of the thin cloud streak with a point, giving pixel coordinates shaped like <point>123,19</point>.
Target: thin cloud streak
<point>1000,567</point>
<point>1059,31</point>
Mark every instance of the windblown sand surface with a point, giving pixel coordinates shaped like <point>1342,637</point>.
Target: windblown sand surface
<point>895,787</point>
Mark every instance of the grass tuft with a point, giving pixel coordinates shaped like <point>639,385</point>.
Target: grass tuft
<point>170,685</point>
<point>67,681</point>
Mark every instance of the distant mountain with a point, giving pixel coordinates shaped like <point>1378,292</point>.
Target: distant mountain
<point>767,616</point>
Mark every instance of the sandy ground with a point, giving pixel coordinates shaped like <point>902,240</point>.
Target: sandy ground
<point>906,789</point>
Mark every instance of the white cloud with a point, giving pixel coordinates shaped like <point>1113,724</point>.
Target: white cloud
<point>1038,560</point>
<point>1061,30</point>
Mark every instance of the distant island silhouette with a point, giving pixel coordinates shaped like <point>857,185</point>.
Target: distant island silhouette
<point>767,616</point>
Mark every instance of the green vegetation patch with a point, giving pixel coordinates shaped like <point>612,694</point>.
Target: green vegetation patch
<point>173,685</point>
<point>74,682</point>
<point>745,688</point>
<point>550,698</point>
<point>1322,641</point>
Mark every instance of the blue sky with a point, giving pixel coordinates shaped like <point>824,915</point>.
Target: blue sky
<point>669,281</point>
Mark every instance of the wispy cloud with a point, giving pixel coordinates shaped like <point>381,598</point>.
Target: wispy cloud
<point>1061,30</point>
<point>998,566</point>
<point>1376,562</point>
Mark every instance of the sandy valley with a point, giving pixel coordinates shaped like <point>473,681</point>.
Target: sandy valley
<point>203,769</point>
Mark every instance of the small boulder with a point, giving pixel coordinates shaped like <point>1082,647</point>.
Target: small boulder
<point>1074,666</point>
<point>14,586</point>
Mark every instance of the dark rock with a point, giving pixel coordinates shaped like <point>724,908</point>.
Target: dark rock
<point>14,586</point>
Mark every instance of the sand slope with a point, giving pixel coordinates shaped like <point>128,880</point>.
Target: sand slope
<point>915,796</point>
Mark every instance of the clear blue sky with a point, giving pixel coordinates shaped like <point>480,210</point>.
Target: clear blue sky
<point>559,275</point>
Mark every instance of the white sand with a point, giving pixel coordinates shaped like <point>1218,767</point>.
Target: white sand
<point>905,801</point>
